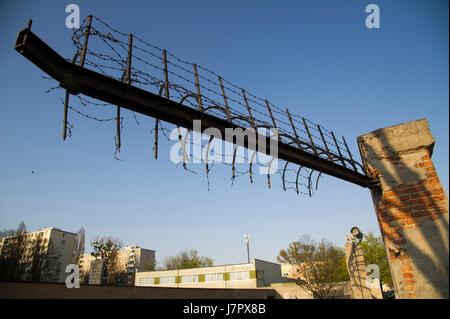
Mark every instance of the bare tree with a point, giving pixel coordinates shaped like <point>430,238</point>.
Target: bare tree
<point>7,232</point>
<point>78,247</point>
<point>320,265</point>
<point>107,249</point>
<point>44,262</point>
<point>187,259</point>
<point>12,255</point>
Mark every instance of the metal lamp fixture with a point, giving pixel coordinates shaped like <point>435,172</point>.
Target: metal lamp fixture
<point>246,241</point>
<point>356,233</point>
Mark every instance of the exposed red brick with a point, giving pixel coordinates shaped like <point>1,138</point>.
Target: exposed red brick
<point>414,189</point>
<point>433,181</point>
<point>407,268</point>
<point>419,207</point>
<point>411,287</point>
<point>409,221</point>
<point>437,198</point>
<point>390,200</point>
<point>434,186</point>
<point>420,214</point>
<point>398,216</point>
<point>389,194</point>
<point>408,275</point>
<point>383,213</point>
<point>425,164</point>
<point>437,191</point>
<point>396,235</point>
<point>421,194</point>
<point>434,205</point>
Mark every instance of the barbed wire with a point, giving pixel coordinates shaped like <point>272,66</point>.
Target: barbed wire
<point>110,52</point>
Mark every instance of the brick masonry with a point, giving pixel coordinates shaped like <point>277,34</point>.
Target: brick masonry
<point>411,208</point>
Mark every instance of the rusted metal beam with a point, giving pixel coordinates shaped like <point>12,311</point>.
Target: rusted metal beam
<point>80,80</point>
<point>271,115</point>
<point>349,154</point>
<point>252,121</point>
<point>338,149</point>
<point>225,100</point>
<point>197,84</point>
<point>297,140</point>
<point>310,137</point>
<point>325,143</point>
<point>86,39</point>
<point>67,97</point>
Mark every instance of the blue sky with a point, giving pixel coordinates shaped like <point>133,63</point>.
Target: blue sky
<point>315,57</point>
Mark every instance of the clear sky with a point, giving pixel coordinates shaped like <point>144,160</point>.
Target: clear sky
<point>315,57</point>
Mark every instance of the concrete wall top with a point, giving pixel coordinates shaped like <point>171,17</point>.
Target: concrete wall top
<point>397,139</point>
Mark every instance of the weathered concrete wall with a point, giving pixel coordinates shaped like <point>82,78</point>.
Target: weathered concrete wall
<point>357,271</point>
<point>292,290</point>
<point>36,290</point>
<point>411,208</point>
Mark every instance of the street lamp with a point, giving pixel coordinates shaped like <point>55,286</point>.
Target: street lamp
<point>246,240</point>
<point>356,233</point>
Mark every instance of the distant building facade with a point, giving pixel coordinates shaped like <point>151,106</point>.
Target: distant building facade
<point>50,240</point>
<point>97,272</point>
<point>257,274</point>
<point>292,272</point>
<point>130,260</point>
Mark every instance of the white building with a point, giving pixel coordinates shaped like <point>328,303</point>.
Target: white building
<point>259,273</point>
<point>54,240</point>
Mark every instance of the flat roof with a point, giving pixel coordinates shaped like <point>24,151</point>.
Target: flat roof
<point>213,266</point>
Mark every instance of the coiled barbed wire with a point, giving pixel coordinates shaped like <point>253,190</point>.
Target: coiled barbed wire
<point>197,87</point>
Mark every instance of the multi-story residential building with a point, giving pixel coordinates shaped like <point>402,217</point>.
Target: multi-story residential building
<point>130,260</point>
<point>257,274</point>
<point>52,241</point>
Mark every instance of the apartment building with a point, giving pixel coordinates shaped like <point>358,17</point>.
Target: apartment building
<point>53,241</point>
<point>130,260</point>
<point>258,273</point>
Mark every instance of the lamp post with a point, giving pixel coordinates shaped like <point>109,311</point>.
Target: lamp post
<point>246,240</point>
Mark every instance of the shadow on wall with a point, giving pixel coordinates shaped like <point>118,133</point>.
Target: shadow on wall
<point>412,212</point>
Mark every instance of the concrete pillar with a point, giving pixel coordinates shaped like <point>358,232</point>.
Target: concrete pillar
<point>357,270</point>
<point>411,208</point>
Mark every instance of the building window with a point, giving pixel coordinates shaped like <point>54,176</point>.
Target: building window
<point>147,281</point>
<point>214,277</point>
<point>167,280</point>
<point>189,279</point>
<point>240,275</point>
<point>63,242</point>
